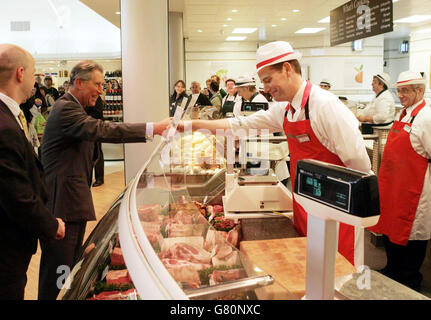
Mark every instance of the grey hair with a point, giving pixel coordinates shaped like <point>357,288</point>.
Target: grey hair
<point>84,70</point>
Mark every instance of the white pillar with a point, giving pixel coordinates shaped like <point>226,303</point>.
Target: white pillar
<point>145,63</point>
<point>176,49</point>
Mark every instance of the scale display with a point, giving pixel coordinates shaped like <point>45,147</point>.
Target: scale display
<point>334,193</point>
<point>348,190</point>
<point>254,106</point>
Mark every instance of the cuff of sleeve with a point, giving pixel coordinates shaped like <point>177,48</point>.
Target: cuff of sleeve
<point>149,131</point>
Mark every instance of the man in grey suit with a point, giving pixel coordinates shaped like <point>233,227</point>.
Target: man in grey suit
<point>68,157</point>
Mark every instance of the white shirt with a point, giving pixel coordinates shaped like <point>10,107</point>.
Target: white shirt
<point>381,108</point>
<point>238,103</point>
<point>332,123</point>
<point>420,138</point>
<point>13,107</point>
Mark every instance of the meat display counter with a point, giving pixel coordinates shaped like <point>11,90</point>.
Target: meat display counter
<point>166,236</point>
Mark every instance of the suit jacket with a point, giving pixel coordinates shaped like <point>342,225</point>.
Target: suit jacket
<point>24,215</point>
<point>68,155</point>
<point>202,100</point>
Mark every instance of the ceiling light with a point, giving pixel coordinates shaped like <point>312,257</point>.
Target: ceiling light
<point>118,12</point>
<point>234,10</point>
<point>309,30</point>
<point>295,10</point>
<point>283,19</point>
<point>244,30</point>
<point>325,20</point>
<point>414,19</point>
<point>393,1</point>
<point>229,19</point>
<point>235,38</point>
<point>199,30</point>
<point>273,25</point>
<point>225,25</point>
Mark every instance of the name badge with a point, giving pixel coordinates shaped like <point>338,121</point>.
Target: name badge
<point>407,129</point>
<point>303,138</point>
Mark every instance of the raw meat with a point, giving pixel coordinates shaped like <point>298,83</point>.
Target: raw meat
<point>117,257</point>
<point>185,271</point>
<point>220,276</point>
<point>118,277</point>
<point>226,255</point>
<point>188,252</point>
<point>149,212</point>
<point>113,295</point>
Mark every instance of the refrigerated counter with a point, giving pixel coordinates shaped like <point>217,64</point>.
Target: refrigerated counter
<point>166,237</point>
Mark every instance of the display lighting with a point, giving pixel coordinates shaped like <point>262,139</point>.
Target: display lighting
<point>244,30</point>
<point>414,19</point>
<point>309,30</point>
<point>231,38</point>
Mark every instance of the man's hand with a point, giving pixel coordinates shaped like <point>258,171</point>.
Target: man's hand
<point>160,127</point>
<point>61,229</point>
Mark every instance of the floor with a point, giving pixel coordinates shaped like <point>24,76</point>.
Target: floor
<point>103,197</point>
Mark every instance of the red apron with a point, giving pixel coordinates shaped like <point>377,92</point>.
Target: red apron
<point>401,179</point>
<point>303,144</point>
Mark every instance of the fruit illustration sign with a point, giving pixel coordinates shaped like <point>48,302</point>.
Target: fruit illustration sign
<point>353,74</point>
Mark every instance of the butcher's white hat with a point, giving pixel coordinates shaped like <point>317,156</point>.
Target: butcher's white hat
<point>275,52</point>
<point>325,81</point>
<point>409,77</point>
<point>384,77</point>
<point>245,81</point>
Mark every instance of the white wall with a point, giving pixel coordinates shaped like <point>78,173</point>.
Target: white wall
<point>337,64</point>
<point>420,53</point>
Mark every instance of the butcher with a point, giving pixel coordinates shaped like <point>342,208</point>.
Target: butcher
<point>316,123</point>
<point>405,184</point>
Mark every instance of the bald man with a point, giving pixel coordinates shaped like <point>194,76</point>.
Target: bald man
<point>24,217</point>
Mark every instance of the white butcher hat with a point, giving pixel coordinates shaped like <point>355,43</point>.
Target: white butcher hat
<point>245,81</point>
<point>275,52</point>
<point>409,77</point>
<point>384,77</point>
<point>325,81</point>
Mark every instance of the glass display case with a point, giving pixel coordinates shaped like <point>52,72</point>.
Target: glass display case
<point>166,236</point>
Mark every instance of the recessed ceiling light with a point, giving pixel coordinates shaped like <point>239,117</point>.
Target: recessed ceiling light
<point>234,10</point>
<point>283,19</point>
<point>273,25</point>
<point>295,10</point>
<point>414,19</point>
<point>225,25</point>
<point>325,20</point>
<point>229,19</point>
<point>199,30</point>
<point>118,12</point>
<point>231,38</point>
<point>309,30</point>
<point>393,1</point>
<point>244,30</point>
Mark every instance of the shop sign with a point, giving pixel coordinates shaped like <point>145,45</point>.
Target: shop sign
<point>358,19</point>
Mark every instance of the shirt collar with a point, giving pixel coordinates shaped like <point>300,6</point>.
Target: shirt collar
<point>297,99</point>
<point>75,98</point>
<point>11,104</point>
<point>414,106</point>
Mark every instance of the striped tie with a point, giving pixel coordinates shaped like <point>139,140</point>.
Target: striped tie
<point>24,124</point>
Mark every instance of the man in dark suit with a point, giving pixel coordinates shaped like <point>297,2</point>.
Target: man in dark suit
<point>197,97</point>
<point>68,156</point>
<point>24,216</point>
<point>99,167</point>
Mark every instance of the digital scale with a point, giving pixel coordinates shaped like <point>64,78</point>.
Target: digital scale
<point>331,194</point>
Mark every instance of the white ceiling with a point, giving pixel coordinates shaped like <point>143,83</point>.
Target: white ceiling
<point>210,16</point>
